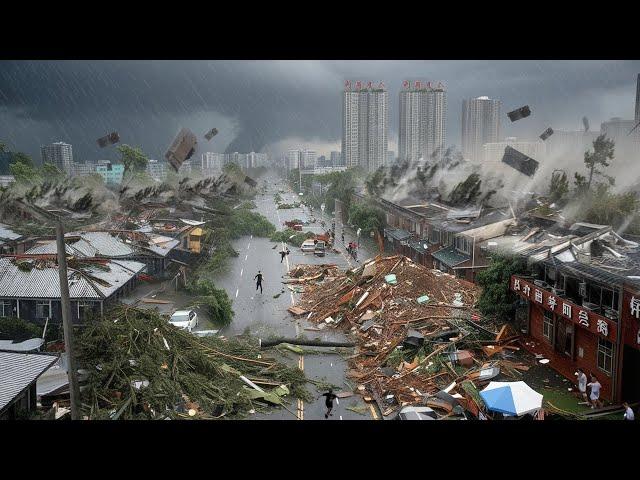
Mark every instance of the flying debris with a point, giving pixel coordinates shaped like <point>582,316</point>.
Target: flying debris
<point>585,122</point>
<point>110,139</point>
<point>547,133</point>
<point>211,133</point>
<point>182,148</point>
<point>519,113</point>
<point>521,162</point>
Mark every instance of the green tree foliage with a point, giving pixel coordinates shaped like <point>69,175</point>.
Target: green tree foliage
<point>603,150</point>
<point>51,172</point>
<point>496,299</point>
<point>606,208</point>
<point>133,159</point>
<point>25,173</point>
<point>216,301</point>
<point>374,184</point>
<point>559,187</point>
<point>466,192</point>
<point>18,330</point>
<point>3,147</point>
<point>233,170</point>
<point>366,217</point>
<point>19,157</point>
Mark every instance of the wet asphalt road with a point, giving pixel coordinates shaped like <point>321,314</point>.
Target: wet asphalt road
<point>264,316</point>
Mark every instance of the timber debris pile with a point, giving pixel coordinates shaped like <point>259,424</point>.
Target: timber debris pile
<point>136,365</point>
<point>418,336</point>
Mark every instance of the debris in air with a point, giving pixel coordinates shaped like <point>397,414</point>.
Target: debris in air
<point>521,162</point>
<point>547,133</point>
<point>519,113</point>
<point>110,139</point>
<point>211,133</point>
<point>182,148</point>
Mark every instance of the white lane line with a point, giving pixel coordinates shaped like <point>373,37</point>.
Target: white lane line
<point>245,257</point>
<point>241,270</point>
<point>248,245</point>
<point>340,417</point>
<point>251,237</point>
<point>237,292</point>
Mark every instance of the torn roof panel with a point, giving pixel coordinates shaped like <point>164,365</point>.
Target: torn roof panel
<point>450,256</point>
<point>7,234</point>
<point>18,371</point>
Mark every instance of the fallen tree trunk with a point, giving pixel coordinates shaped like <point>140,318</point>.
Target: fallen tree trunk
<point>307,343</point>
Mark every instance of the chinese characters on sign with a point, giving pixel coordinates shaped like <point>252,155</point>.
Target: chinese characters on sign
<point>526,289</point>
<point>566,309</point>
<point>538,294</point>
<point>551,301</point>
<point>635,307</point>
<point>583,318</point>
<point>516,284</point>
<point>602,327</point>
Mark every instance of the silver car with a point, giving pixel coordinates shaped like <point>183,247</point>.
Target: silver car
<point>185,319</point>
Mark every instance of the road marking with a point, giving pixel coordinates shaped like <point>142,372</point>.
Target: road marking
<point>237,292</point>
<point>245,257</point>
<point>241,270</point>
<point>340,417</point>
<point>248,245</point>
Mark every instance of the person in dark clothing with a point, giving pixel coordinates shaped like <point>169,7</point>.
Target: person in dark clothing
<point>258,279</point>
<point>329,402</point>
<point>283,254</point>
<point>343,236</point>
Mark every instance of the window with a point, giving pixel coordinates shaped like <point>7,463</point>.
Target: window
<point>5,308</point>
<point>605,355</point>
<point>434,237</point>
<point>43,309</point>
<point>463,244</point>
<point>84,309</point>
<point>547,326</point>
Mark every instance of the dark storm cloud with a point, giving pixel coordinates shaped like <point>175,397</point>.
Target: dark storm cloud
<point>257,103</point>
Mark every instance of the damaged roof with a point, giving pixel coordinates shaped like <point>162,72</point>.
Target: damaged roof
<point>397,233</point>
<point>90,244</point>
<point>450,256</point>
<point>7,234</point>
<point>44,282</point>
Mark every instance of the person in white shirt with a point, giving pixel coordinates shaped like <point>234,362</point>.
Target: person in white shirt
<point>628,412</point>
<point>595,392</point>
<point>582,383</point>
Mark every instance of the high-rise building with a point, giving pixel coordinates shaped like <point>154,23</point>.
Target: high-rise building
<point>293,159</point>
<point>83,169</point>
<point>212,161</point>
<point>391,158</point>
<point>336,159</point>
<point>480,125</point>
<point>627,143</point>
<point>308,159</point>
<point>423,112</point>
<point>157,170</point>
<point>59,154</point>
<point>637,117</point>
<point>112,173</point>
<point>364,125</point>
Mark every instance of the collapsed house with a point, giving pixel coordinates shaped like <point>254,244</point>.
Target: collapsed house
<point>30,286</point>
<point>13,242</point>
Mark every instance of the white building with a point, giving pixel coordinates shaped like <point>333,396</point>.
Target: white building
<point>364,125</point>
<point>336,159</point>
<point>157,170</point>
<point>480,125</point>
<point>59,154</point>
<point>212,161</point>
<point>423,113</point>
<point>493,152</point>
<point>83,169</point>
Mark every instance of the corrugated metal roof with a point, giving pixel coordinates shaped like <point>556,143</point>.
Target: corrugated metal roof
<point>397,233</point>
<point>45,282</point>
<point>7,234</point>
<point>91,244</point>
<point>450,256</point>
<point>18,371</point>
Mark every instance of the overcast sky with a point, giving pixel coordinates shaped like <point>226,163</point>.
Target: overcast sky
<point>275,105</point>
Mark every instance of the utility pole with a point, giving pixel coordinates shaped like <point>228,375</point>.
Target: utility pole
<point>65,300</point>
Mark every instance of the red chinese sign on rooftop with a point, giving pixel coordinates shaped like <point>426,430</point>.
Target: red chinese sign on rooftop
<point>595,323</point>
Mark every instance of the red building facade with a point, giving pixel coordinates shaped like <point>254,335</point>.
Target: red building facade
<point>571,336</point>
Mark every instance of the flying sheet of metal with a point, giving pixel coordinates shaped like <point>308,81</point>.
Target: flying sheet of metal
<point>519,113</point>
<point>547,133</point>
<point>110,139</point>
<point>211,133</point>
<point>521,162</point>
<point>181,149</point>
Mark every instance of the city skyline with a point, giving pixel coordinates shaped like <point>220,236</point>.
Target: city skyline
<point>270,105</point>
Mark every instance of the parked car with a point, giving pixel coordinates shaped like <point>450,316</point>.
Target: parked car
<point>319,249</point>
<point>308,245</point>
<point>185,319</point>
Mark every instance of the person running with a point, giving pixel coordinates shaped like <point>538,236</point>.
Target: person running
<point>283,254</point>
<point>258,279</point>
<point>595,392</point>
<point>628,412</point>
<point>329,402</point>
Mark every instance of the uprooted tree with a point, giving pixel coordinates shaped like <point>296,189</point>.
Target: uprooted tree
<point>496,300</point>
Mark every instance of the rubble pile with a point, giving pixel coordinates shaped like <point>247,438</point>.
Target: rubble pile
<point>417,335</point>
<point>138,366</point>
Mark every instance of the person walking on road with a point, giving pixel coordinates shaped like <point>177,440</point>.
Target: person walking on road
<point>342,236</point>
<point>582,384</point>
<point>628,412</point>
<point>595,392</point>
<point>284,253</point>
<point>258,279</point>
<point>329,402</point>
